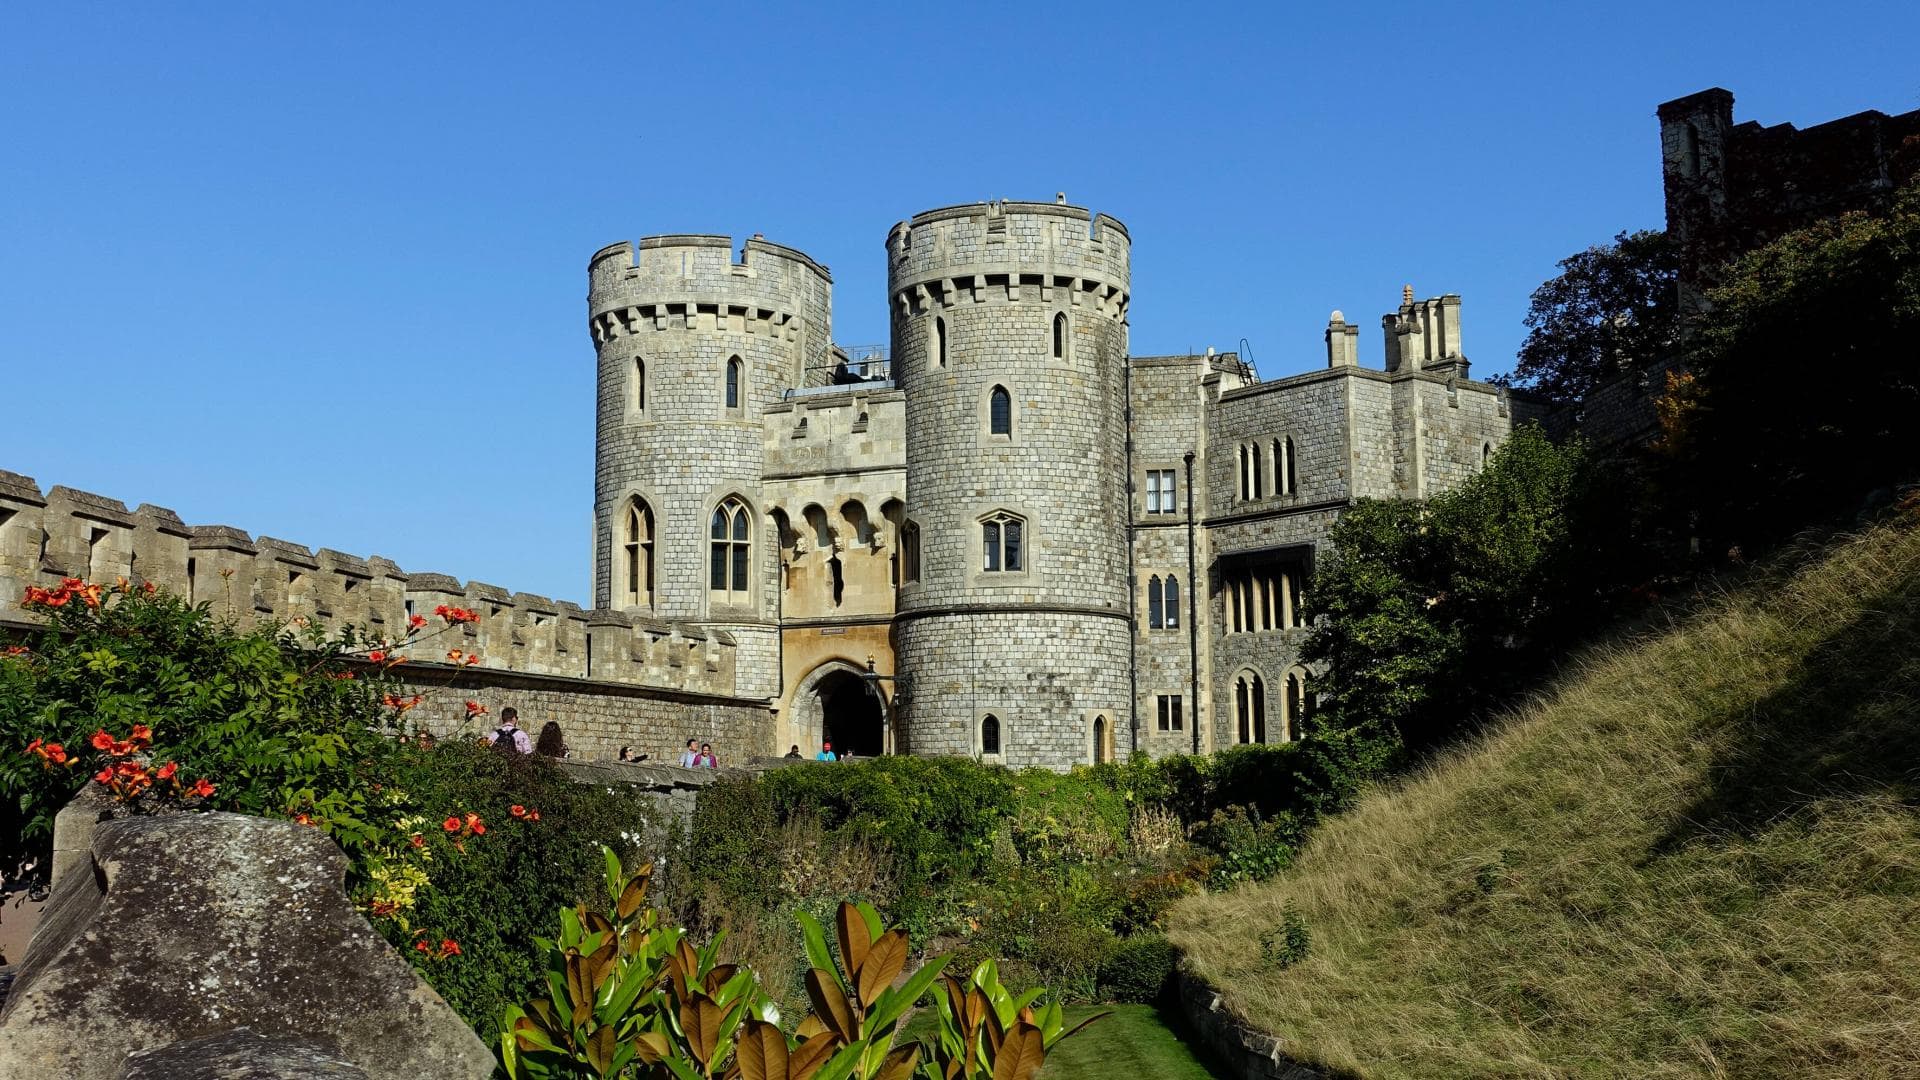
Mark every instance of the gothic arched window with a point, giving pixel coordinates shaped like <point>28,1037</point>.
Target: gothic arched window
<point>990,734</point>
<point>1000,412</point>
<point>1172,602</point>
<point>639,385</point>
<point>733,382</point>
<point>636,555</point>
<point>1060,336</point>
<point>1156,614</point>
<point>939,341</point>
<point>731,546</point>
<point>1289,474</point>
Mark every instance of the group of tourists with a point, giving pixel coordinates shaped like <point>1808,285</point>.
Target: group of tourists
<point>509,738</point>
<point>826,752</point>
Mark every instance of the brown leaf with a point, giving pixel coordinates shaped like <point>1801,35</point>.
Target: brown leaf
<point>809,1027</point>
<point>631,897</point>
<point>811,1054</point>
<point>718,977</point>
<point>883,964</point>
<point>524,1030</point>
<point>600,1049</point>
<point>831,1006</point>
<point>761,1052</point>
<point>1021,1054</point>
<point>651,1046</point>
<point>854,940</point>
<point>577,993</point>
<point>596,923</point>
<point>703,1035</point>
<point>899,1063</point>
<point>601,964</point>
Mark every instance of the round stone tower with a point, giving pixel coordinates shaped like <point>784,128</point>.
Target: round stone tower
<point>693,346</point>
<point>1010,339</point>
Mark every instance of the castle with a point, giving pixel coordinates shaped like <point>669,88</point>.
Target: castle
<point>1000,536</point>
<point>1003,536</point>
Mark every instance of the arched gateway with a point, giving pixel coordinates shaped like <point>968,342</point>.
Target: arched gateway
<point>835,702</point>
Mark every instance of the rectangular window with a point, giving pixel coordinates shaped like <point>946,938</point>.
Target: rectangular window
<point>1013,545</point>
<point>739,568</point>
<point>717,575</point>
<point>1160,491</point>
<point>990,543</point>
<point>1170,719</point>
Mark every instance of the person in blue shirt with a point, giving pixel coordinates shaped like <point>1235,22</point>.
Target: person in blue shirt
<point>826,752</point>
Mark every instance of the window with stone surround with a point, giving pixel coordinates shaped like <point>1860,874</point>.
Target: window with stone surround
<point>639,398</point>
<point>733,382</point>
<point>1060,335</point>
<point>1161,492</point>
<point>1250,707</point>
<point>939,349</point>
<point>910,552</point>
<point>1000,412</point>
<point>636,555</point>
<point>990,735</point>
<point>730,559</point>
<point>1102,740</point>
<point>1242,474</point>
<point>1170,708</point>
<point>1163,602</point>
<point>1265,596</point>
<point>1003,543</point>
<point>1286,477</point>
<point>1298,705</point>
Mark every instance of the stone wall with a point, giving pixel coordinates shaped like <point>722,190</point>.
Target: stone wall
<point>1245,1051</point>
<point>610,679</point>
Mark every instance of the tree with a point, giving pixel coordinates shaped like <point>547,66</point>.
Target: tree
<point>1611,310</point>
<point>1808,392</point>
<point>1438,613</point>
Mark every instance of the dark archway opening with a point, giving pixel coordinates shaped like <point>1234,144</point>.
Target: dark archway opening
<point>852,717</point>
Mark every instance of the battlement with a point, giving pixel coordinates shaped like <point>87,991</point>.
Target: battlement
<point>1011,246</point>
<point>263,580</point>
<point>693,282</point>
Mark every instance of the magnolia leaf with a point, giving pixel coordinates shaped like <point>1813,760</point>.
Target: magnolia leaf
<point>600,1050</point>
<point>651,1046</point>
<point>1075,1029</point>
<point>1020,1056</point>
<point>631,897</point>
<point>854,941</point>
<point>882,963</point>
<point>875,926</point>
<point>704,1034</point>
<point>815,938</point>
<point>899,1065</point>
<point>718,977</point>
<point>810,1055</point>
<point>527,1035</point>
<point>810,1027</point>
<point>596,923</point>
<point>893,1003</point>
<point>761,1053</point>
<point>840,1065</point>
<point>613,871</point>
<point>831,1006</point>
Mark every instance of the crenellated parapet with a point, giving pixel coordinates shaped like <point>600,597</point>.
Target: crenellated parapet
<point>1010,252</point>
<point>266,581</point>
<point>695,283</point>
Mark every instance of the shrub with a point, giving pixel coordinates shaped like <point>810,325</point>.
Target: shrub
<point>1138,969</point>
<point>1251,848</point>
<point>937,816</point>
<point>276,721</point>
<point>497,892</point>
<point>1287,944</point>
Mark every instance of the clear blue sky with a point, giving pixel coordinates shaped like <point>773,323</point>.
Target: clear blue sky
<point>318,271</point>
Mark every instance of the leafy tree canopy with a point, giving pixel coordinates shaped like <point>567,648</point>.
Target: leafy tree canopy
<point>1610,310</point>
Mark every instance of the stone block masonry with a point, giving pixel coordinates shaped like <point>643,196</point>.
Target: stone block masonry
<point>610,679</point>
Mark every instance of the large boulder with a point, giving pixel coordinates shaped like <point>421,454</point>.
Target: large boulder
<point>192,925</point>
<point>237,1055</point>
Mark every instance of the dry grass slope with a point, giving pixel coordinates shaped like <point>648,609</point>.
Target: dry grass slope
<point>1698,857</point>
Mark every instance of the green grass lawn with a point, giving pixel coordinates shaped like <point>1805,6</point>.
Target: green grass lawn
<point>1134,1041</point>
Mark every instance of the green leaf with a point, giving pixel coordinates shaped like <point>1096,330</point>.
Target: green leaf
<point>815,937</point>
